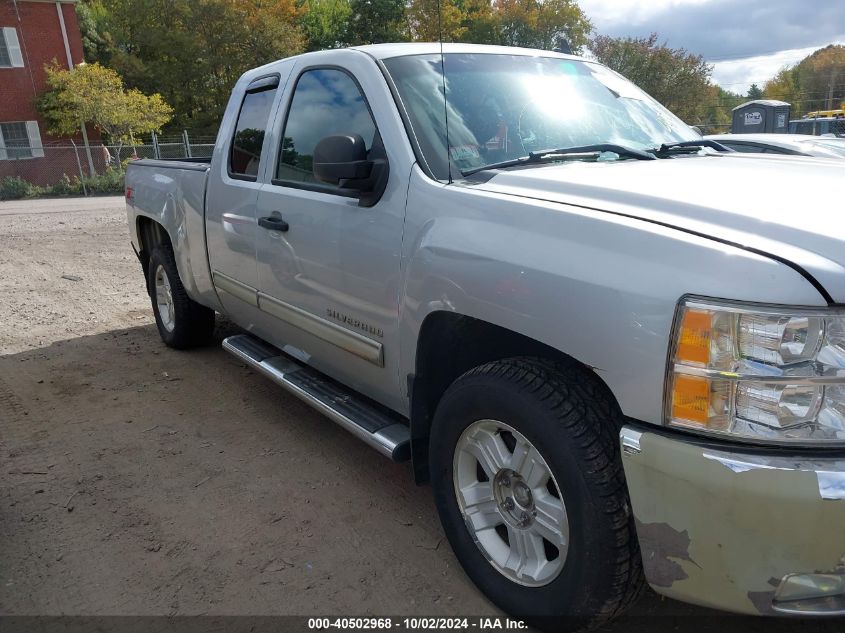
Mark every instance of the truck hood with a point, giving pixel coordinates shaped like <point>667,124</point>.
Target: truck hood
<point>787,207</point>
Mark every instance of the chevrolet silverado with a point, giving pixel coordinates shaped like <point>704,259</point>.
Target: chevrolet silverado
<point>615,349</point>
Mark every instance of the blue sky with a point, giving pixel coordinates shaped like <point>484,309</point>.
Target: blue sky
<point>747,41</point>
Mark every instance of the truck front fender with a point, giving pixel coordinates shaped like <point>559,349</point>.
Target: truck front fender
<point>597,287</point>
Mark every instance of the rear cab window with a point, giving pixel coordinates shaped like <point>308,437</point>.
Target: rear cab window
<point>251,128</point>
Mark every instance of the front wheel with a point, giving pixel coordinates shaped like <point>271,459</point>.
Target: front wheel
<point>182,322</point>
<point>529,486</point>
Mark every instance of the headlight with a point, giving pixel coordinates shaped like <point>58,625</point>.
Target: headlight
<point>758,373</point>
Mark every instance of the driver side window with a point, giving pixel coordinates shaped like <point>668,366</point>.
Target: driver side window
<point>326,101</point>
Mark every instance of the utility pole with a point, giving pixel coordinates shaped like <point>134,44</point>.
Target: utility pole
<point>833,77</point>
<point>61,16</point>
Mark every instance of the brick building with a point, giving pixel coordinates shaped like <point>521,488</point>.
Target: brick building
<point>34,33</point>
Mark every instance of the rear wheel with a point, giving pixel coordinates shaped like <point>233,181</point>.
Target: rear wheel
<point>529,485</point>
<point>182,322</point>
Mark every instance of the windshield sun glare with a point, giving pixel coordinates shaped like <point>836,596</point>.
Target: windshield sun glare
<point>502,107</point>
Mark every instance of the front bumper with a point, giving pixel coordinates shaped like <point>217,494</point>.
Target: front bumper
<point>757,533</point>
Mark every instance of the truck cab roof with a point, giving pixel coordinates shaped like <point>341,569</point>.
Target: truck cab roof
<point>386,51</point>
<point>401,49</point>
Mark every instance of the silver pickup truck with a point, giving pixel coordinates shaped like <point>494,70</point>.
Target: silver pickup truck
<point>616,350</point>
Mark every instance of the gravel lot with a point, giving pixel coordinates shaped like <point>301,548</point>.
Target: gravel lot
<point>137,480</point>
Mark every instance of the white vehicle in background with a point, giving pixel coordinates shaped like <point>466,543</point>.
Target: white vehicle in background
<point>783,144</point>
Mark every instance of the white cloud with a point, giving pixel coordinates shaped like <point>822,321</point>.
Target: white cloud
<point>747,41</point>
<point>605,13</point>
<point>737,75</point>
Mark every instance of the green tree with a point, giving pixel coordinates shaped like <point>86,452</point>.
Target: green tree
<point>377,21</point>
<point>675,77</point>
<point>92,18</point>
<point>324,22</point>
<point>479,22</point>
<point>755,92</point>
<point>93,94</point>
<point>191,51</point>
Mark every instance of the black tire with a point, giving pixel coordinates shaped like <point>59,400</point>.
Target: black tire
<point>192,324</point>
<point>571,419</point>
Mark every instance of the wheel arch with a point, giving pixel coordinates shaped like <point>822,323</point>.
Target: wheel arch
<point>151,233</point>
<point>191,258</point>
<point>450,344</point>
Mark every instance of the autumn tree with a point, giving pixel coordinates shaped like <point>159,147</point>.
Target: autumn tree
<point>377,21</point>
<point>193,51</point>
<point>784,86</point>
<point>821,77</point>
<point>817,82</point>
<point>93,94</point>
<point>431,20</point>
<point>190,51</point>
<point>517,21</point>
<point>716,113</point>
<point>678,79</point>
<point>541,24</point>
<point>268,29</point>
<point>559,21</point>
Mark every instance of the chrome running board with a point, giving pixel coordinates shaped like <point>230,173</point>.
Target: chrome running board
<point>377,426</point>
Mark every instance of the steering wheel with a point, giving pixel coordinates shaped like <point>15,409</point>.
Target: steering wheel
<point>531,129</point>
<point>484,122</point>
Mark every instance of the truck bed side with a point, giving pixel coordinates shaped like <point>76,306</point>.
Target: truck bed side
<point>172,195</point>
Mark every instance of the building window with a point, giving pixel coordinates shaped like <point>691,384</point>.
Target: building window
<point>5,58</point>
<point>10,49</point>
<point>16,140</point>
<point>20,140</point>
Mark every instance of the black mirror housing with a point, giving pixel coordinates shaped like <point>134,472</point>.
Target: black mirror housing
<point>343,160</point>
<point>341,157</point>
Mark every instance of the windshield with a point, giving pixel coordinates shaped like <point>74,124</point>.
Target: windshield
<point>501,107</point>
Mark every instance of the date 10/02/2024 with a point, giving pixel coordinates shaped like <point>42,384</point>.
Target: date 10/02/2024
<point>486,624</point>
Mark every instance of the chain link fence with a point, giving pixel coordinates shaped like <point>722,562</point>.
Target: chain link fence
<point>813,126</point>
<point>73,169</point>
<point>713,128</point>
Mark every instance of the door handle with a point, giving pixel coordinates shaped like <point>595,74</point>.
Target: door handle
<point>274,223</point>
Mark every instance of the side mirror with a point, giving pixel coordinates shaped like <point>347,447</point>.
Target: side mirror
<point>343,160</point>
<point>342,157</point>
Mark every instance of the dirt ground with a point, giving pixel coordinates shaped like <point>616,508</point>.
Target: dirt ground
<point>138,480</point>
